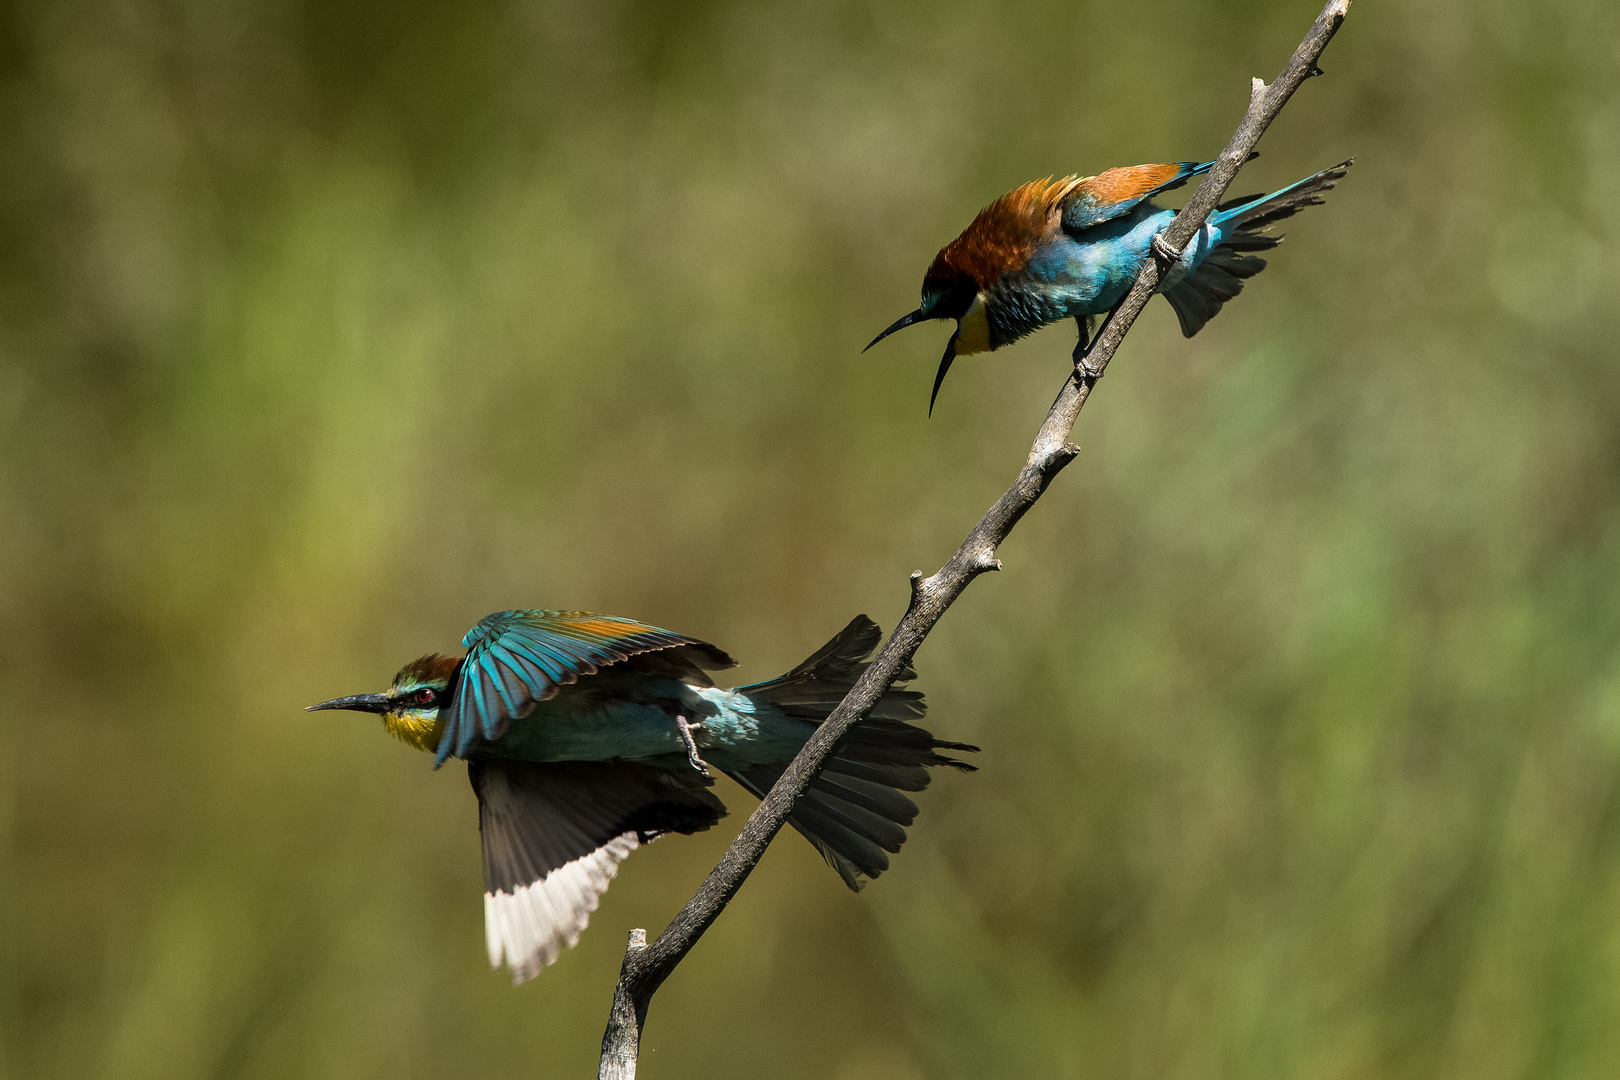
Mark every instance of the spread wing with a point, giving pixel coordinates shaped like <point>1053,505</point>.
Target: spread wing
<point>554,836</point>
<point>517,658</point>
<point>1107,195</point>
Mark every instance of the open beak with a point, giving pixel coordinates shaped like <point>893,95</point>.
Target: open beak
<point>900,324</point>
<point>377,703</point>
<point>944,366</point>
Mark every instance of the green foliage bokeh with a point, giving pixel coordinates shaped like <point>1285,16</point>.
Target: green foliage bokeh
<point>326,329</point>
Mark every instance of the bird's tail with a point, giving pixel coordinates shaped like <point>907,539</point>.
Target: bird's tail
<point>1198,297</point>
<point>854,812</point>
<point>1257,211</point>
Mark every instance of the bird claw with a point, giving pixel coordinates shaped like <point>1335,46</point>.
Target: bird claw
<point>1082,352</point>
<point>1162,248</point>
<point>693,758</point>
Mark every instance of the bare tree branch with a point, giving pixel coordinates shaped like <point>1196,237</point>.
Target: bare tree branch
<point>647,966</point>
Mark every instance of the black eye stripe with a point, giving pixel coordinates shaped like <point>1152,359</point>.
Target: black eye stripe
<point>951,298</point>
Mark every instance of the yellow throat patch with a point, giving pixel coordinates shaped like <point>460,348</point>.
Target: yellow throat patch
<point>419,731</point>
<point>973,329</point>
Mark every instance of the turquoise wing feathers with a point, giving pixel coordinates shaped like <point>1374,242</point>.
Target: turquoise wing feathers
<point>518,658</point>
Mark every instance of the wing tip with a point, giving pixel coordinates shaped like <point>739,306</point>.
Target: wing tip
<point>529,927</point>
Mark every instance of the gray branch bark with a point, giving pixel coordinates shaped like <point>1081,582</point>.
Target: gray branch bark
<point>646,966</point>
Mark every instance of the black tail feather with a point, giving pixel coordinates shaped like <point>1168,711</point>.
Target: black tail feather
<point>868,825</point>
<point>875,797</point>
<point>854,812</point>
<point>901,778</point>
<point>813,689</point>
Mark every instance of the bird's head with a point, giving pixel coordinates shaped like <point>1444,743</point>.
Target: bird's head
<point>948,293</point>
<point>410,707</point>
<point>969,273</point>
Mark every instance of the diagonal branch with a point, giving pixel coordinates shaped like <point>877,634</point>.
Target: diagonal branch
<point>647,966</point>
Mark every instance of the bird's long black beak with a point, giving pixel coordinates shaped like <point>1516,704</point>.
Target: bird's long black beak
<point>900,324</point>
<point>944,366</point>
<point>377,703</point>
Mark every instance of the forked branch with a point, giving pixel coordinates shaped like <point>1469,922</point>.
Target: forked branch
<point>647,966</point>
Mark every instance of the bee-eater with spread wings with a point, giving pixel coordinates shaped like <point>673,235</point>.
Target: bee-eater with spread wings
<point>587,736</point>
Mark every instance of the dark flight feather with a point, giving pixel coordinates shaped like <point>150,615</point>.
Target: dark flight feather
<point>554,835</point>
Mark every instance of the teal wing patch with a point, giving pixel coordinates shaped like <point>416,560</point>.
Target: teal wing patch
<point>518,658</point>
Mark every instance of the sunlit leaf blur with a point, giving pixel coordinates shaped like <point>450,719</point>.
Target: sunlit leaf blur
<point>326,329</point>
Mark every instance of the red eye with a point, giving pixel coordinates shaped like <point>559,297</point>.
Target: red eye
<point>425,697</point>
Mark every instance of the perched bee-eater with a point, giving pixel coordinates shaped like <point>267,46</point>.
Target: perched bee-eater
<point>587,736</point>
<point>1071,248</point>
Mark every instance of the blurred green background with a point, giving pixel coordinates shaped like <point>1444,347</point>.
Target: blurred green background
<point>326,329</point>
